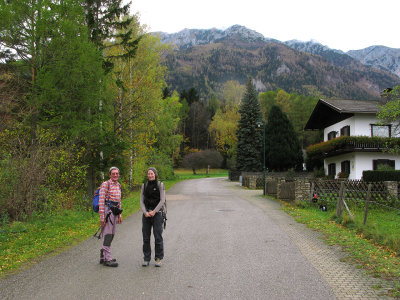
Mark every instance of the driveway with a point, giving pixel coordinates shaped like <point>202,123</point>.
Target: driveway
<point>221,242</point>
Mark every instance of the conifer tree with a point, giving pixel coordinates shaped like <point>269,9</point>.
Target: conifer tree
<point>107,21</point>
<point>250,144</point>
<point>283,149</point>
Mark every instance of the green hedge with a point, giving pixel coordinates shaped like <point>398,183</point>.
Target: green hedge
<point>377,176</point>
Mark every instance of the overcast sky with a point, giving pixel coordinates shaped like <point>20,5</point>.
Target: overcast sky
<point>338,24</point>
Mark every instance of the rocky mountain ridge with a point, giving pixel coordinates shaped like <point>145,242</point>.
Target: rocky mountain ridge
<point>192,37</point>
<point>206,59</point>
<point>382,57</point>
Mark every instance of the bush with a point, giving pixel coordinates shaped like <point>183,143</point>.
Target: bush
<point>319,172</point>
<point>163,164</point>
<point>290,175</point>
<point>377,176</point>
<point>343,175</point>
<point>202,159</point>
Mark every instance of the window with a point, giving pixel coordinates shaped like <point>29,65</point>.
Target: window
<point>381,162</point>
<point>381,130</point>
<point>345,131</point>
<point>332,170</point>
<point>345,167</point>
<point>331,135</point>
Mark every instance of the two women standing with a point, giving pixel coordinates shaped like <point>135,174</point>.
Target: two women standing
<point>152,203</point>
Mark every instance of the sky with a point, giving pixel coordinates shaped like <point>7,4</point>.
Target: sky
<point>339,24</point>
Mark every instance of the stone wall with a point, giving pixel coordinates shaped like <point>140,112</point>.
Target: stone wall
<point>303,190</point>
<point>303,185</point>
<point>249,179</point>
<point>392,188</point>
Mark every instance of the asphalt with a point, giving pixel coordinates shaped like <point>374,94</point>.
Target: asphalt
<point>221,242</point>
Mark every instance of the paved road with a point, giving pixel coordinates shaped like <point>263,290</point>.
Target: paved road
<point>221,242</point>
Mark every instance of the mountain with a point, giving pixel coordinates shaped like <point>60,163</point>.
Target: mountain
<point>384,58</point>
<point>205,59</point>
<point>192,37</point>
<point>381,57</point>
<point>337,57</point>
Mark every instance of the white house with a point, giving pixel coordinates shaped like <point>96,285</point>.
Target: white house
<point>352,118</point>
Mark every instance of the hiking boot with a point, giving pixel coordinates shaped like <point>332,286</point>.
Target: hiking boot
<point>158,262</point>
<point>145,263</point>
<point>102,257</point>
<point>102,260</point>
<point>110,263</point>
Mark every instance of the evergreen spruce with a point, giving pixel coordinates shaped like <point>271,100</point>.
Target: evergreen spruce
<point>250,144</point>
<point>108,22</point>
<point>283,150</point>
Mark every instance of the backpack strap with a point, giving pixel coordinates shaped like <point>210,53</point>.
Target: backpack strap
<point>108,188</point>
<point>164,212</point>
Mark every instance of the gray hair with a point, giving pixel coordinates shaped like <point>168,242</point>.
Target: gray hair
<point>113,168</point>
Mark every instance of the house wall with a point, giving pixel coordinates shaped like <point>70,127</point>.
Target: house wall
<point>359,125</point>
<point>359,162</point>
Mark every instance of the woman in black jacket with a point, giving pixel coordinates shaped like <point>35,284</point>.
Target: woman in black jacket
<point>152,202</point>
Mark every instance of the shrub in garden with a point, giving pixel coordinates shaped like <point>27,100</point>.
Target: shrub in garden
<point>202,159</point>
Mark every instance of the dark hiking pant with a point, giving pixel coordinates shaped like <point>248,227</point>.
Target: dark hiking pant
<point>108,233</point>
<point>157,223</point>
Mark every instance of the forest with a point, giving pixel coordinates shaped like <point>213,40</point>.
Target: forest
<point>83,88</point>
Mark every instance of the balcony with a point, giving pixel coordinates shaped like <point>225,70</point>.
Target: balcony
<point>347,144</point>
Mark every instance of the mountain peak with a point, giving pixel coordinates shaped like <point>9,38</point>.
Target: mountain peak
<point>244,32</point>
<point>311,46</point>
<point>382,57</point>
<point>191,37</point>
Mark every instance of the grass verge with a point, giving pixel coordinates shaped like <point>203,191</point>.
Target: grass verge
<point>24,243</point>
<point>376,259</point>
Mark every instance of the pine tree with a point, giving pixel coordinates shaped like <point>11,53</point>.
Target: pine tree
<point>107,22</point>
<point>250,144</point>
<point>283,149</point>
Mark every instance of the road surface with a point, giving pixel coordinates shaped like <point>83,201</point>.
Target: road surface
<point>221,242</point>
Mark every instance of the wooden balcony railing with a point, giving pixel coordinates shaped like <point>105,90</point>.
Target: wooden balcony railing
<point>345,144</point>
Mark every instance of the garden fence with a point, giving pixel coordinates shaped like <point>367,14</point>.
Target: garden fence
<point>355,192</point>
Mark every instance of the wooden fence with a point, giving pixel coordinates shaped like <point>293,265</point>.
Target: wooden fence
<point>343,192</point>
<point>302,188</point>
<point>354,189</point>
<point>287,190</point>
<point>339,194</point>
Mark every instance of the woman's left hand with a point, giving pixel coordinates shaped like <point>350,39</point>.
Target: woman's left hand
<point>119,219</point>
<point>152,213</point>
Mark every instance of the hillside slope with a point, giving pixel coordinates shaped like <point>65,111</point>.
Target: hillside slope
<point>205,59</point>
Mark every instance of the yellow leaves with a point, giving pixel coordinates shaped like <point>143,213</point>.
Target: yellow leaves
<point>223,128</point>
<point>283,100</point>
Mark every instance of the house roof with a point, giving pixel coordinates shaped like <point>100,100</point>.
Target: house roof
<point>329,112</point>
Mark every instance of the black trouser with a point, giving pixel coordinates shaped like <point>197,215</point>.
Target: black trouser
<point>157,223</point>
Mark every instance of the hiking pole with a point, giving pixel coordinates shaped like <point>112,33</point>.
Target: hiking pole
<point>98,236</point>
